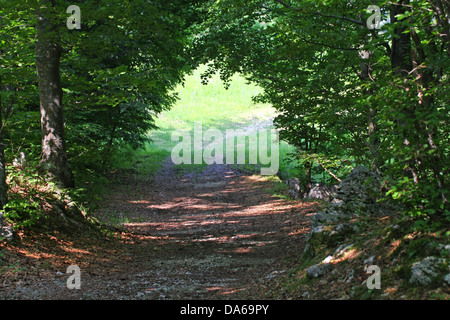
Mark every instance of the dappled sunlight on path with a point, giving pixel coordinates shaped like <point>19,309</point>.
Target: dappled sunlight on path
<point>212,234</point>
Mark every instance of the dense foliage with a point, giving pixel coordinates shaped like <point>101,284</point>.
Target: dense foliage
<point>348,94</point>
<point>117,73</point>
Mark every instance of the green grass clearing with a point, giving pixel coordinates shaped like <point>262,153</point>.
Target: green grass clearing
<point>215,108</point>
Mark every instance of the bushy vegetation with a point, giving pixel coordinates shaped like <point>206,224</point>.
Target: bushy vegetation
<point>348,94</point>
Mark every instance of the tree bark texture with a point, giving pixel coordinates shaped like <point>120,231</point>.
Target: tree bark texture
<point>48,53</point>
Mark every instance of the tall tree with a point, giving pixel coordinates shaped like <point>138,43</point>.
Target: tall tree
<point>48,55</point>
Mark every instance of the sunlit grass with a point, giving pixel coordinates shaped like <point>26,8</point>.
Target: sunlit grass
<point>212,105</point>
<point>215,107</point>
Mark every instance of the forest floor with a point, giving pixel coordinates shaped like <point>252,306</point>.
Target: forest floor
<point>216,233</point>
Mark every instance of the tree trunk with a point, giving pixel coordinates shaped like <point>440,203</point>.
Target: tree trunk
<point>374,143</point>
<point>48,53</point>
<point>403,60</point>
<point>5,229</point>
<point>3,186</point>
<point>401,64</point>
<point>401,44</point>
<point>308,178</point>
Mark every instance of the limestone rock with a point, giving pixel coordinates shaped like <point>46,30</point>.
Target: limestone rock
<point>370,260</point>
<point>322,192</point>
<point>318,270</point>
<point>357,194</point>
<point>359,191</point>
<point>428,271</point>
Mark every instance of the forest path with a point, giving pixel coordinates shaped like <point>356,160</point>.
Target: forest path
<point>212,234</point>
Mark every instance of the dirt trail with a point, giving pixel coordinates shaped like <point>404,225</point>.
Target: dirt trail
<point>215,234</point>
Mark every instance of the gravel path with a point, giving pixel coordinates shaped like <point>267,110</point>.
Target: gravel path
<point>215,234</point>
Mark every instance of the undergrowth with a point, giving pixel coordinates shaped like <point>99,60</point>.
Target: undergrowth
<point>395,244</point>
<point>36,205</point>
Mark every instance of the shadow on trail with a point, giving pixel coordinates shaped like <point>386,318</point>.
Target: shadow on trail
<point>215,234</point>
<point>211,234</point>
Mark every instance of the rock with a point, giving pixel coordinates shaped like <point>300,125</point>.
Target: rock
<point>447,280</point>
<point>370,260</point>
<point>317,191</point>
<point>294,185</point>
<point>318,270</point>
<point>274,274</point>
<point>328,236</point>
<point>336,201</point>
<point>345,228</point>
<point>428,271</point>
<point>341,232</point>
<point>327,217</point>
<point>356,195</point>
<point>318,229</point>
<point>6,232</point>
<point>341,250</point>
<point>293,194</point>
<point>359,191</point>
<point>322,192</point>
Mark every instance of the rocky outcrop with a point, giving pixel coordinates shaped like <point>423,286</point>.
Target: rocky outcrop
<point>318,270</point>
<point>356,195</point>
<point>358,192</point>
<point>335,227</point>
<point>318,191</point>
